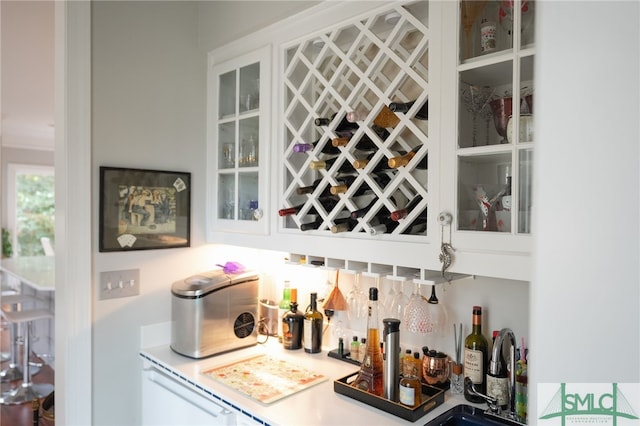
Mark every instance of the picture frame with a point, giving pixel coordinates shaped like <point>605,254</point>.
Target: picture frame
<point>144,209</point>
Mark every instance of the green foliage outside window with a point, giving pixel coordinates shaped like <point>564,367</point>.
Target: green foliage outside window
<point>35,214</point>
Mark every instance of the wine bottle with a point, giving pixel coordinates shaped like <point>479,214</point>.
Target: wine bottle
<point>422,114</point>
<point>410,387</point>
<point>418,226</point>
<point>404,212</point>
<point>403,159</point>
<point>385,118</point>
<point>345,167</point>
<point>364,210</point>
<point>284,306</point>
<point>327,148</point>
<point>365,143</point>
<point>382,180</point>
<point>475,358</point>
<point>309,189</point>
<point>342,217</point>
<point>382,224</point>
<point>292,324</point>
<point>343,225</point>
<point>313,319</point>
<point>369,378</point>
<point>343,126</point>
<point>327,202</point>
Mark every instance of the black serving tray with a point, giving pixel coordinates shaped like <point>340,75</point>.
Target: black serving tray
<point>431,398</point>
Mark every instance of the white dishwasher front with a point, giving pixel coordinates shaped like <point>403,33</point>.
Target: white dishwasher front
<point>166,401</point>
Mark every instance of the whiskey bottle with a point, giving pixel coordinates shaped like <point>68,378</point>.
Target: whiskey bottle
<point>410,388</point>
<point>369,378</point>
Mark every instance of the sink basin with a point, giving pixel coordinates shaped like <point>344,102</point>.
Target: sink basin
<point>467,415</point>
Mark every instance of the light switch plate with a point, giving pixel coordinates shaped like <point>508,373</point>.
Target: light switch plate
<point>114,284</point>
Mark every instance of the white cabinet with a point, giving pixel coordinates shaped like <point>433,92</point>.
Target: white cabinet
<point>488,158</point>
<point>167,401</point>
<point>238,128</point>
<point>344,57</point>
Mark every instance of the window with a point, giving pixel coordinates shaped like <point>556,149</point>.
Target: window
<point>31,212</point>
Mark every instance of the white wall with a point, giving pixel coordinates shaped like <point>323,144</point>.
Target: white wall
<point>585,295</point>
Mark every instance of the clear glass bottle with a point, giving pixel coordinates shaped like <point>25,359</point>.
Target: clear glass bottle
<point>354,350</point>
<point>369,378</point>
<point>457,379</point>
<point>284,306</point>
<point>313,321</point>
<point>410,387</point>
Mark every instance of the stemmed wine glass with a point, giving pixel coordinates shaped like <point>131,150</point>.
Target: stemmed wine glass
<point>417,316</point>
<point>399,301</point>
<point>356,301</point>
<point>476,99</point>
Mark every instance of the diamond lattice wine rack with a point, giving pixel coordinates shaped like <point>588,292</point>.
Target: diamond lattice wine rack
<point>361,76</point>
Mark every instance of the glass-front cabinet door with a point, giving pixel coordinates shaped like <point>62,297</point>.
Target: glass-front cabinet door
<point>492,156</point>
<point>237,131</point>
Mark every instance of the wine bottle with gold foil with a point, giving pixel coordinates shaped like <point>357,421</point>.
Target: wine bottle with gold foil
<point>369,378</point>
<point>476,358</point>
<point>404,159</point>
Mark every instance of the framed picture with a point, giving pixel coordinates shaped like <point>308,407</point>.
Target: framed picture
<point>144,209</point>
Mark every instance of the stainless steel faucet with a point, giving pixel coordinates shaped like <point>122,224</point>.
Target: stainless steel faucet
<point>495,367</point>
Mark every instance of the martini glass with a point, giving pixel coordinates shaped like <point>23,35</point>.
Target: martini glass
<point>476,100</point>
<point>485,196</point>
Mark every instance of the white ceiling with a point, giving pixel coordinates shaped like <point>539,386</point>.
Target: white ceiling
<point>27,70</point>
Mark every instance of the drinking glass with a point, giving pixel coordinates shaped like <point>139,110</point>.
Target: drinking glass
<point>417,316</point>
<point>398,302</point>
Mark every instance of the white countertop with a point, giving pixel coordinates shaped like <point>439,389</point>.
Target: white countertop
<point>318,405</point>
<point>37,272</point>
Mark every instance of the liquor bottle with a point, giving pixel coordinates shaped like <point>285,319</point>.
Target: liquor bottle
<point>410,386</point>
<point>497,380</point>
<point>369,377</point>
<point>363,343</point>
<point>385,118</point>
<point>422,114</point>
<point>313,319</point>
<point>476,358</point>
<point>327,148</point>
<point>354,349</point>
<point>284,306</point>
<point>406,359</point>
<point>403,159</point>
<point>292,324</point>
<point>345,167</point>
<point>404,212</point>
<point>327,202</point>
<point>417,362</point>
